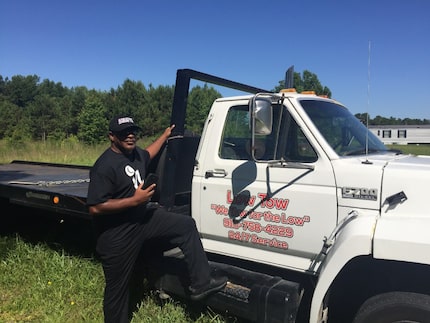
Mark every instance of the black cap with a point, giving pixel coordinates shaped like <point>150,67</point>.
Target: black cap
<point>120,123</point>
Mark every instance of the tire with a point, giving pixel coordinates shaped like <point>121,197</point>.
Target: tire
<point>395,307</point>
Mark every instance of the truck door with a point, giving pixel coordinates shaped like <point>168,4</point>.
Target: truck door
<point>256,210</point>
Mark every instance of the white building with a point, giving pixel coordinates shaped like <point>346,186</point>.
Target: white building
<point>402,134</point>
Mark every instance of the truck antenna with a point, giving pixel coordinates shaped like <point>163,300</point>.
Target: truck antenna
<point>368,102</point>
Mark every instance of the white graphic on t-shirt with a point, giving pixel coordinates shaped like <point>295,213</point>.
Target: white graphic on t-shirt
<point>129,170</point>
<point>134,174</point>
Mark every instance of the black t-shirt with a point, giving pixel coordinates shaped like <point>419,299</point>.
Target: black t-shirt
<point>115,176</point>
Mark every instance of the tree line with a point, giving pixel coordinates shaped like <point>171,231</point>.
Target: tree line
<point>42,110</point>
<point>380,121</point>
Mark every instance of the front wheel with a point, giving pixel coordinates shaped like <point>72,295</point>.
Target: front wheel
<point>395,307</point>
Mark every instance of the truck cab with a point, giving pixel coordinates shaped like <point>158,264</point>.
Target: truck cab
<point>307,213</point>
<point>296,182</point>
<point>266,188</point>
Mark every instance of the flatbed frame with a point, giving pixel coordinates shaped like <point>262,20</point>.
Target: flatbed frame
<point>58,188</point>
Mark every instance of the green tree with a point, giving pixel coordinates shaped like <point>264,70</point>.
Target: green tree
<point>363,117</point>
<point>21,90</point>
<point>200,100</point>
<point>45,115</point>
<point>93,125</point>
<point>154,116</point>
<point>52,89</point>
<point>72,105</point>
<point>128,98</point>
<point>308,81</point>
<point>10,114</point>
<point>2,86</point>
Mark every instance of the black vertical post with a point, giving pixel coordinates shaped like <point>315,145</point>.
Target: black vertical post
<point>289,77</point>
<point>180,99</point>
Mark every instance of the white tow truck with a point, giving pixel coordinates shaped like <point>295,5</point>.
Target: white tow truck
<point>309,215</point>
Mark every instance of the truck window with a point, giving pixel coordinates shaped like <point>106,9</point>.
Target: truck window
<point>236,134</point>
<point>292,143</point>
<point>286,140</point>
<point>342,130</point>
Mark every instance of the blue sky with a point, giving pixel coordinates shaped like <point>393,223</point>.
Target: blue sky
<point>99,44</point>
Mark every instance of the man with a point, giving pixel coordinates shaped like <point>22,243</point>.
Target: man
<point>118,202</point>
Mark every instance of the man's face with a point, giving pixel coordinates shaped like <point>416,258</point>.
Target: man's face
<point>125,141</point>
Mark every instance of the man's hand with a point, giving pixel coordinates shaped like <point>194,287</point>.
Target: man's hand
<point>168,131</point>
<point>155,147</point>
<point>144,195</point>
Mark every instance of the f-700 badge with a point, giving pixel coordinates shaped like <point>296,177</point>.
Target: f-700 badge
<point>360,193</point>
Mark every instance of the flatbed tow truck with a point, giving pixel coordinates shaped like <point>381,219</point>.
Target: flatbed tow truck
<point>307,213</point>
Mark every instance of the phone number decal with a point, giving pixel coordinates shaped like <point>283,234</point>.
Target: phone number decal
<point>275,230</point>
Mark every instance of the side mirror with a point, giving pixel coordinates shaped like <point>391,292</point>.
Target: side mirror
<point>261,115</point>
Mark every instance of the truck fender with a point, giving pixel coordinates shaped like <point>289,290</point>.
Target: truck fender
<point>355,239</point>
<point>402,237</point>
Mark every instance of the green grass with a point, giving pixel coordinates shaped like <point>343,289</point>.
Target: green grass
<point>412,149</point>
<point>44,279</point>
<point>39,284</point>
<point>64,152</point>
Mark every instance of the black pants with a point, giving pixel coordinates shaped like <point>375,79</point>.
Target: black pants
<point>120,246</point>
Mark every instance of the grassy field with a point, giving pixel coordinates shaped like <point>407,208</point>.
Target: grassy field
<point>49,273</point>
<point>412,149</point>
<point>45,279</point>
<point>66,152</point>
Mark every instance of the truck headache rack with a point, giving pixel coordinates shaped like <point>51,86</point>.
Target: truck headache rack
<point>180,147</point>
<point>183,78</point>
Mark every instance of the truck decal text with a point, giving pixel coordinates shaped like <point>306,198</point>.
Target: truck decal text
<point>253,224</point>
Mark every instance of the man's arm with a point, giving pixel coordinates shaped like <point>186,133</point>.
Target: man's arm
<point>155,147</point>
<point>117,205</point>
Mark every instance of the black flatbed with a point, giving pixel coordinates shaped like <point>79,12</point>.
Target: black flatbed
<point>56,187</point>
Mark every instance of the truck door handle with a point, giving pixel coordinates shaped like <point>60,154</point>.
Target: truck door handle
<point>215,173</point>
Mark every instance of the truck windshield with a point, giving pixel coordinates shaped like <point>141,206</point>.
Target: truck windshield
<point>341,129</point>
